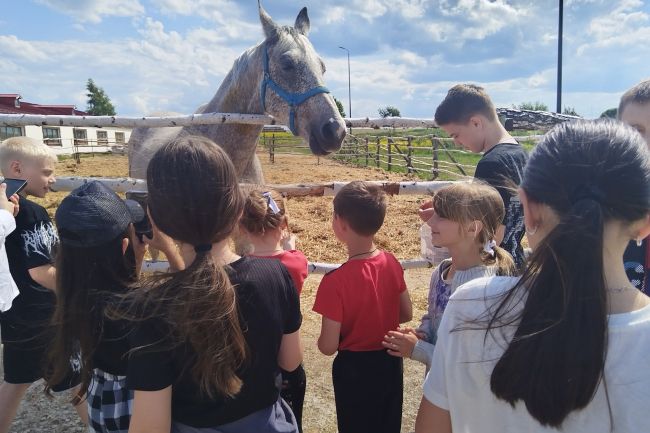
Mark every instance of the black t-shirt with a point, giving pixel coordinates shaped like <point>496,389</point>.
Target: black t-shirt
<point>634,260</point>
<point>268,309</point>
<point>113,347</point>
<point>29,246</point>
<point>503,168</point>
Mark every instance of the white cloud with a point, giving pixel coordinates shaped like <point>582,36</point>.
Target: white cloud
<point>483,17</point>
<point>11,46</point>
<point>335,14</point>
<point>93,10</point>
<point>412,59</point>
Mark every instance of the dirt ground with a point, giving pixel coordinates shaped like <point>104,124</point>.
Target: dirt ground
<point>310,219</point>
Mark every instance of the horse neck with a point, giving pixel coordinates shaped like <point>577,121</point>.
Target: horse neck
<point>239,93</point>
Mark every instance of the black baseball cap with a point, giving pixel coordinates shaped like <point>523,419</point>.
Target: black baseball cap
<point>93,215</point>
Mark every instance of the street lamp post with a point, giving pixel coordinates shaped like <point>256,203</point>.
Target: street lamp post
<point>349,89</point>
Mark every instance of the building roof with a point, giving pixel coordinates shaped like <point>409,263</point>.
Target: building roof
<point>10,103</point>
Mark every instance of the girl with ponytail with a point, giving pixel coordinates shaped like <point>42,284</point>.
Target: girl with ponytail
<point>212,336</point>
<point>464,218</point>
<point>565,346</point>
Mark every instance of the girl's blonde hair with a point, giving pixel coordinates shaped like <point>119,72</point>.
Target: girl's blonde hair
<point>259,214</point>
<point>464,202</point>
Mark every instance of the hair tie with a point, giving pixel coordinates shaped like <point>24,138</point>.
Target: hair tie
<point>271,203</point>
<point>586,192</point>
<point>488,247</point>
<point>202,248</point>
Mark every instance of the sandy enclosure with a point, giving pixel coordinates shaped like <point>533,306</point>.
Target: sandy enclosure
<point>310,219</point>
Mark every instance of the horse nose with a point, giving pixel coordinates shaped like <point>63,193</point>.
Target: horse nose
<point>333,134</point>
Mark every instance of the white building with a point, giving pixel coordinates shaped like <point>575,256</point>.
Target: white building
<point>64,140</point>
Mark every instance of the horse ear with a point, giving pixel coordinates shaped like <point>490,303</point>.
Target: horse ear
<point>302,22</point>
<point>267,22</point>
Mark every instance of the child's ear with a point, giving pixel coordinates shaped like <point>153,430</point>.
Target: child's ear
<point>476,121</point>
<point>644,230</point>
<point>474,228</point>
<point>125,245</point>
<point>15,167</point>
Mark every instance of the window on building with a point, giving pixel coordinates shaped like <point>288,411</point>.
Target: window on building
<point>10,131</point>
<point>119,138</point>
<point>102,138</point>
<point>52,136</point>
<point>80,137</point>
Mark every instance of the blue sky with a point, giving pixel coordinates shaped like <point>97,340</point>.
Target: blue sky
<point>171,55</point>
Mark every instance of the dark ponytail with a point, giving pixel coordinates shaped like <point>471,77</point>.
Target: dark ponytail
<point>588,173</point>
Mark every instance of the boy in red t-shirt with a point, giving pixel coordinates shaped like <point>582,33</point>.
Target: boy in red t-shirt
<point>361,301</point>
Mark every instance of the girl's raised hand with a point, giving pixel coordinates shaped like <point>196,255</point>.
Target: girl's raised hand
<point>400,343</point>
<point>15,199</point>
<point>5,203</point>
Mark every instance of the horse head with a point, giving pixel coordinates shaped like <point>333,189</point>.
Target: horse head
<point>292,88</point>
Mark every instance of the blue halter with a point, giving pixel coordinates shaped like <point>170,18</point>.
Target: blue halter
<point>293,99</point>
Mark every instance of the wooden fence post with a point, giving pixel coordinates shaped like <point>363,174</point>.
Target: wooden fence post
<point>409,154</point>
<point>367,149</point>
<point>434,143</point>
<point>377,155</point>
<point>272,149</point>
<point>390,153</point>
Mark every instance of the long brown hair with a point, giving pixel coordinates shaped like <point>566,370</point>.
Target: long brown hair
<point>194,197</point>
<point>464,202</point>
<point>88,280</point>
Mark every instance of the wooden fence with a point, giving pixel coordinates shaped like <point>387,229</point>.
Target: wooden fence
<point>428,157</point>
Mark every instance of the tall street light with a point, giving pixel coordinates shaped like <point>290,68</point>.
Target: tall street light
<point>558,106</point>
<point>349,89</point>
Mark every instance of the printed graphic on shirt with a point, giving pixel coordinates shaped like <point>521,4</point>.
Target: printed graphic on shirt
<point>635,274</point>
<point>443,292</point>
<point>40,240</point>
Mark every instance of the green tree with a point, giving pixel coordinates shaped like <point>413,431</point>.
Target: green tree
<point>534,106</point>
<point>389,111</point>
<point>570,111</point>
<point>99,104</point>
<point>339,105</point>
<point>611,112</point>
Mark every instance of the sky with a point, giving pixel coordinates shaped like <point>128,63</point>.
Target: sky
<point>171,55</point>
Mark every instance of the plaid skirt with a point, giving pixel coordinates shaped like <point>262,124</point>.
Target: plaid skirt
<point>109,403</point>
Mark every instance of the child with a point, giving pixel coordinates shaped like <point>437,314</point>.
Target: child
<point>25,327</point>
<point>360,302</point>
<point>8,288</point>
<point>465,220</point>
<point>265,222</point>
<point>634,109</point>
<point>564,347</point>
<point>209,339</point>
<point>99,256</point>
<point>469,117</point>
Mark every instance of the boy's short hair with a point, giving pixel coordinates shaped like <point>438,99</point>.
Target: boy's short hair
<point>363,206</point>
<point>639,94</point>
<point>462,102</point>
<point>22,148</point>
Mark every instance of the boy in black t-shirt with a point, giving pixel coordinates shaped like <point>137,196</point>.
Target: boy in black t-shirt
<point>634,109</point>
<point>469,117</point>
<point>25,327</point>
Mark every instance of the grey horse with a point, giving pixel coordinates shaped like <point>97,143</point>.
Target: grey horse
<point>282,76</point>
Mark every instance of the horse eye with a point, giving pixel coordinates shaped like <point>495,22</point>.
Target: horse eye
<point>286,64</point>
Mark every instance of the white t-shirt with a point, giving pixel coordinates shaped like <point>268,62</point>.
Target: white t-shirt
<point>459,379</point>
<point>8,289</point>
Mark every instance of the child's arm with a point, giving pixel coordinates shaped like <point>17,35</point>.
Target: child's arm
<point>330,333</point>
<point>45,276</point>
<point>405,307</point>
<point>152,411</point>
<point>290,355</point>
<point>432,419</point>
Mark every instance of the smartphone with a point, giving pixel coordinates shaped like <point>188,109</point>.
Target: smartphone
<point>142,227</point>
<point>14,186</point>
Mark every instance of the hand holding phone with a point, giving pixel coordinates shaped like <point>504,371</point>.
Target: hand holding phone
<point>14,186</point>
<point>142,227</point>
<point>10,204</point>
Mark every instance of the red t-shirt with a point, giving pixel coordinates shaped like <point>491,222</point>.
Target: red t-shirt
<point>364,297</point>
<point>296,263</point>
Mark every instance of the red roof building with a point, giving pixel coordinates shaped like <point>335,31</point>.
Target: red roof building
<point>10,103</point>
